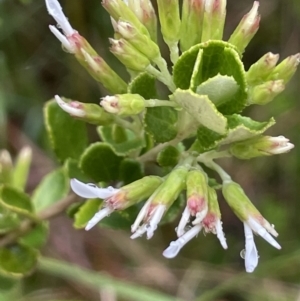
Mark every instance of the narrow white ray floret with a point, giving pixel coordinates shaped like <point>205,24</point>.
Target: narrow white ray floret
<point>98,217</point>
<point>251,254</point>
<point>91,190</point>
<point>142,214</point>
<point>64,41</point>
<point>68,108</point>
<point>155,219</point>
<point>220,234</point>
<point>261,231</point>
<point>183,221</point>
<point>200,216</point>
<point>55,10</point>
<point>176,246</point>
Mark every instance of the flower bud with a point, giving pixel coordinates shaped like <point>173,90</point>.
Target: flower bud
<point>74,43</point>
<point>260,70</point>
<point>286,69</point>
<point>22,166</point>
<point>191,23</point>
<point>118,9</point>
<point>246,29</point>
<point>246,212</point>
<point>214,19</point>
<point>145,12</point>
<point>6,167</point>
<point>129,55</point>
<point>261,146</point>
<point>88,112</point>
<point>140,41</point>
<point>168,12</point>
<point>123,104</point>
<point>266,92</point>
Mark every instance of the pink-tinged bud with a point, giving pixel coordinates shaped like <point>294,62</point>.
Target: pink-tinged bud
<point>261,146</point>
<point>246,212</point>
<point>118,9</point>
<point>286,69</point>
<point>123,104</point>
<point>140,41</point>
<point>266,92</point>
<point>259,71</point>
<point>191,23</point>
<point>214,19</point>
<point>246,29</point>
<point>128,55</point>
<point>88,112</point>
<point>145,12</point>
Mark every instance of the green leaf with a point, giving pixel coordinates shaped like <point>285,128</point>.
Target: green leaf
<point>68,136</point>
<point>205,61</point>
<point>144,85</point>
<point>121,148</point>
<point>51,189</point>
<point>169,156</point>
<point>100,162</point>
<point>6,284</point>
<point>242,128</point>
<point>72,169</point>
<point>206,139</point>
<point>37,237</point>
<point>86,211</point>
<point>227,88</point>
<point>17,260</point>
<point>8,220</point>
<point>202,109</point>
<point>130,171</point>
<point>16,201</point>
<point>160,123</point>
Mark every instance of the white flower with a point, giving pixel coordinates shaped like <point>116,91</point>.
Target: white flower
<point>73,108</point>
<point>280,145</point>
<point>251,255</point>
<point>55,10</point>
<point>91,191</point>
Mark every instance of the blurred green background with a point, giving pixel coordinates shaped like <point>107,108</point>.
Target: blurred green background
<point>34,68</point>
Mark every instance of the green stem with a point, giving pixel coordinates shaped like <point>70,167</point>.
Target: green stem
<point>126,124</point>
<point>150,103</point>
<point>164,78</point>
<point>96,280</point>
<point>174,52</point>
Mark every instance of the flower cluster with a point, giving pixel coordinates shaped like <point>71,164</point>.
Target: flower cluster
<point>208,88</point>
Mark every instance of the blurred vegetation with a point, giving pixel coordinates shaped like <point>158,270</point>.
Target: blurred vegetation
<point>34,68</point>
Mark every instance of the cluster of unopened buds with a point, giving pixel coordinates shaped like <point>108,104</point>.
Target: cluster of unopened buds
<point>206,105</point>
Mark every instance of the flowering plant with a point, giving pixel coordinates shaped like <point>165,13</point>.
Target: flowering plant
<point>208,88</point>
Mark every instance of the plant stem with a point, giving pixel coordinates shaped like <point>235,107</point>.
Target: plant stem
<point>150,103</point>
<point>174,52</point>
<point>97,280</point>
<point>164,78</point>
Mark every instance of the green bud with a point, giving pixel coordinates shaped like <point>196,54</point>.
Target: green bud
<point>170,189</point>
<point>168,11</point>
<point>88,112</point>
<point>140,41</point>
<point>261,146</point>
<point>246,29</point>
<point>134,192</point>
<point>286,69</point>
<point>129,55</point>
<point>238,201</point>
<point>197,193</point>
<point>213,20</point>
<point>191,23</point>
<point>266,92</point>
<point>118,9</point>
<point>123,104</point>
<point>259,71</point>
<point>6,167</point>
<point>22,166</point>
<point>145,12</point>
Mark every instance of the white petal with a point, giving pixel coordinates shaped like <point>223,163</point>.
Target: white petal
<point>69,109</point>
<point>139,232</point>
<point>220,234</point>
<point>183,221</point>
<point>155,219</point>
<point>65,42</point>
<point>200,216</point>
<point>261,231</point>
<point>98,217</point>
<point>251,255</point>
<point>176,246</point>
<point>55,10</point>
<point>91,191</point>
<point>142,214</point>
